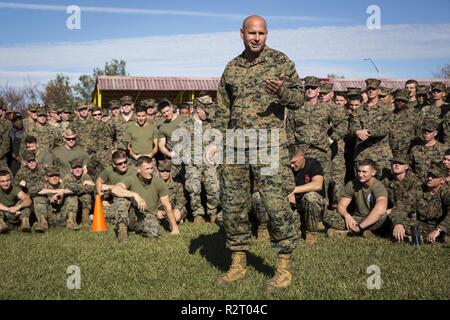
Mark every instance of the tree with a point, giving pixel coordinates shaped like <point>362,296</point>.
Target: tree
<point>444,72</point>
<point>86,84</point>
<point>18,98</point>
<point>58,91</point>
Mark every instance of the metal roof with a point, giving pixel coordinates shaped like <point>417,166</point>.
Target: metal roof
<point>157,83</point>
<point>124,83</point>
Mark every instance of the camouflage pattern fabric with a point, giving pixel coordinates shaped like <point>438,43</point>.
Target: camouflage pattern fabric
<point>145,223</point>
<point>56,214</point>
<point>13,221</point>
<point>422,157</point>
<point>333,219</point>
<point>195,176</point>
<point>405,129</point>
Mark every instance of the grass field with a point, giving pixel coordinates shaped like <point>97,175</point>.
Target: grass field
<point>184,267</point>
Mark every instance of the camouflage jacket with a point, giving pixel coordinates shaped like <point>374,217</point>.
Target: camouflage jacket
<point>405,130</point>
<point>402,191</point>
<point>422,157</point>
<point>377,120</point>
<point>308,125</point>
<point>34,179</point>
<point>431,208</point>
<point>196,131</point>
<point>243,101</point>
<point>5,141</point>
<point>77,185</point>
<point>48,137</point>
<point>441,114</point>
<point>88,134</point>
<point>117,129</point>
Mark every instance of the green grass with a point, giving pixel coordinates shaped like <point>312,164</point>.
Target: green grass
<point>34,266</point>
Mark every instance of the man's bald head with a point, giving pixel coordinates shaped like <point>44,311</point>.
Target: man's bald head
<point>253,19</point>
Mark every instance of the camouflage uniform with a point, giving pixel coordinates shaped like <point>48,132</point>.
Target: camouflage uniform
<point>201,173</point>
<point>405,128</point>
<point>5,141</point>
<point>402,191</point>
<point>439,113</point>
<point>11,220</point>
<point>258,208</point>
<point>422,157</point>
<point>88,132</point>
<point>176,195</point>
<point>81,191</point>
<point>55,214</point>
<point>47,137</point>
<point>306,125</point>
<point>377,120</point>
<point>243,102</point>
<point>428,211</point>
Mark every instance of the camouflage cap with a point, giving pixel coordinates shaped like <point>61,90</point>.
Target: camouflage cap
<point>326,87</point>
<point>422,89</point>
<point>439,86</point>
<point>53,107</point>
<point>82,105</point>
<point>373,83</point>
<point>95,108</point>
<point>52,170</point>
<point>437,170</point>
<point>164,165</point>
<point>33,107</point>
<point>149,103</point>
<point>76,163</point>
<point>16,115</point>
<point>400,157</point>
<point>312,81</point>
<point>402,95</point>
<point>42,111</point>
<point>353,91</point>
<point>105,112</point>
<point>202,102</point>
<point>430,124</point>
<point>28,155</point>
<point>384,91</point>
<point>126,100</point>
<point>114,104</point>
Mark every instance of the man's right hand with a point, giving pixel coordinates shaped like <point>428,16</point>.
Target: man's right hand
<point>351,223</point>
<point>140,202</point>
<point>399,232</point>
<point>210,153</point>
<point>363,134</point>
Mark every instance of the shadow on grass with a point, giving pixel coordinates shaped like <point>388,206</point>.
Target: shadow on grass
<point>212,248</point>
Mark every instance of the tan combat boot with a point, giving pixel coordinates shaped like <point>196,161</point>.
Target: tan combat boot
<point>237,271</point>
<point>199,220</point>
<point>283,275</point>
<point>72,222</point>
<point>122,232</point>
<point>263,233</point>
<point>25,225</point>
<point>332,233</point>
<point>311,238</point>
<point>3,227</point>
<point>85,216</point>
<point>42,225</point>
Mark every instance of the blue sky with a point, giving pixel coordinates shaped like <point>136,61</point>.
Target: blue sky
<point>197,38</point>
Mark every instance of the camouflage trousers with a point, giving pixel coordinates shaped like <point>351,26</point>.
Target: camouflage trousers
<point>425,228</point>
<point>307,216</point>
<point>145,223</point>
<point>274,189</point>
<point>12,220</point>
<point>324,157</point>
<point>208,176</point>
<point>258,208</point>
<point>56,214</point>
<point>333,219</point>
<point>86,201</point>
<point>338,170</point>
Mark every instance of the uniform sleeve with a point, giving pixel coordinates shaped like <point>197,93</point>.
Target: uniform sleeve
<point>339,123</point>
<point>104,175</point>
<point>379,190</point>
<point>381,126</point>
<point>349,190</point>
<point>180,198</point>
<point>444,224</point>
<point>72,185</point>
<point>127,181</point>
<point>316,169</point>
<point>293,95</point>
<point>290,127</point>
<point>162,188</point>
<point>5,143</point>
<point>223,105</point>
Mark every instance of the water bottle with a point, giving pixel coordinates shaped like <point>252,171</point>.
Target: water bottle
<point>415,235</point>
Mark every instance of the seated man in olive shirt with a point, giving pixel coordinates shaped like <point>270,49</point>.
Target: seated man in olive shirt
<point>370,199</point>
<point>145,190</point>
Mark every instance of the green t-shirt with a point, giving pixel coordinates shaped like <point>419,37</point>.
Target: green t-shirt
<point>63,156</point>
<point>141,138</point>
<point>364,198</point>
<point>151,192</point>
<point>9,198</point>
<point>110,176</point>
<point>45,158</point>
<point>168,127</point>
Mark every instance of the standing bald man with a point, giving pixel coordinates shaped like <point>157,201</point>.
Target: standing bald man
<point>255,90</point>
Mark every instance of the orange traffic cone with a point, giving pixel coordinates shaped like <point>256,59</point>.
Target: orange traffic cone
<point>98,223</point>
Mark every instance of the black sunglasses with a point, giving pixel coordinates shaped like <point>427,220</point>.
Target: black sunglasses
<point>121,163</point>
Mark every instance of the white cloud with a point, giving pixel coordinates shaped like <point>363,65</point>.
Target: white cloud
<point>339,50</point>
<point>153,12</point>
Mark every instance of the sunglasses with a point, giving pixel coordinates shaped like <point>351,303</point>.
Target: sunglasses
<point>70,139</point>
<point>310,88</point>
<point>165,170</point>
<point>121,163</point>
<point>96,114</point>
